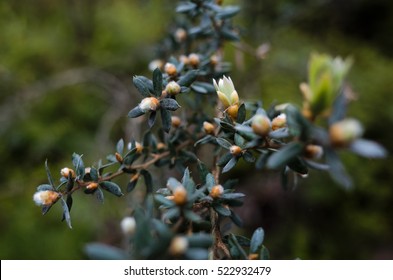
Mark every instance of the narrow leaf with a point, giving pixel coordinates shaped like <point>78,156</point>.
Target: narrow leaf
<point>368,149</point>
<point>284,155</point>
<point>188,78</point>
<point>257,240</point>
<point>152,118</point>
<point>223,211</point>
<point>120,146</point>
<point>157,82</point>
<point>224,143</point>
<point>337,170</point>
<point>148,180</point>
<point>136,112</point>
<point>224,159</point>
<point>163,200</point>
<point>169,104</point>
<point>99,195</point>
<point>111,187</point>
<point>66,213</point>
<point>50,179</point>
<point>166,120</point>
<point>141,86</point>
<point>230,164</point>
<point>241,114</point>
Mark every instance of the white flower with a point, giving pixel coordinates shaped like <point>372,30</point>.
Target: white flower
<point>226,92</point>
<point>128,225</point>
<point>45,198</point>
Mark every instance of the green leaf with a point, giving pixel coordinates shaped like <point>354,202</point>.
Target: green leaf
<point>185,7</point>
<point>132,184</point>
<point>241,114</point>
<point>188,78</point>
<point>45,187</point>
<point>171,213</point>
<point>236,219</point>
<point>79,165</point>
<point>148,180</point>
<point>99,195</point>
<point>230,196</point>
<point>284,155</point>
<point>200,240</point>
<point>152,118</point>
<point>210,181</point>
<point>337,170</point>
<point>228,12</point>
<point>136,112</point>
<point>262,160</point>
<point>164,201</point>
<point>207,87</point>
<point>157,82</point>
<point>50,179</point>
<point>203,171</point>
<point>99,251</point>
<point>111,187</point>
<point>66,213</point>
<point>298,165</point>
<point>223,160</point>
<point>229,34</point>
<point>234,242</point>
<point>223,211</point>
<point>257,240</point>
<point>204,140</point>
<point>166,120</point>
<point>264,253</point>
<point>141,85</point>
<point>120,146</point>
<point>231,163</point>
<point>94,174</point>
<point>368,149</point>
<point>172,184</point>
<point>247,155</point>
<point>191,216</point>
<point>224,143</point>
<point>169,104</point>
<point>70,183</point>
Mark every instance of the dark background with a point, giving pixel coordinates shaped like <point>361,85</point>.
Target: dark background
<point>65,86</point>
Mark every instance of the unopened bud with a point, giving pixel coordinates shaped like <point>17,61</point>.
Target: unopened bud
<point>161,146</point>
<point>344,132</point>
<point>176,121</point>
<point>149,104</point>
<point>180,195</point>
<point>157,63</point>
<point>279,122</point>
<point>170,69</point>
<point>180,35</point>
<point>128,225</point>
<point>179,245</point>
<point>261,125</point>
<point>232,111</point>
<point>65,172</point>
<point>194,59</point>
<point>214,60</point>
<point>184,59</point>
<point>216,191</point>
<point>119,158</point>
<point>208,128</point>
<point>235,150</point>
<point>313,151</point>
<point>46,198</point>
<point>92,186</point>
<point>139,147</point>
<point>173,88</point>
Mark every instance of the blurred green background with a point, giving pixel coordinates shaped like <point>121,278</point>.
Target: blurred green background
<point>65,86</point>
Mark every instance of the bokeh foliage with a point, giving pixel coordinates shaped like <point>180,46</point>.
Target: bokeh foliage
<point>38,40</point>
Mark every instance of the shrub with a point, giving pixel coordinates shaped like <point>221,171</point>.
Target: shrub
<point>200,110</point>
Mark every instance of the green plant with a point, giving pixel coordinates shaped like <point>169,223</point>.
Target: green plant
<point>183,219</point>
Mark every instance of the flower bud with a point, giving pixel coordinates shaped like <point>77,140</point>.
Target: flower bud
<point>46,198</point>
<point>208,128</point>
<point>194,59</point>
<point>65,172</point>
<point>180,195</point>
<point>161,146</point>
<point>344,132</point>
<point>180,35</point>
<point>176,121</point>
<point>184,59</point>
<point>179,245</point>
<point>253,256</point>
<point>172,88</point>
<point>214,60</point>
<point>279,122</point>
<point>313,151</point>
<point>216,191</point>
<point>139,147</point>
<point>226,92</point>
<point>119,158</point>
<point>235,150</point>
<point>170,69</point>
<point>128,225</point>
<point>149,104</point>
<point>92,186</point>
<point>232,111</point>
<point>157,63</point>
<point>261,125</point>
